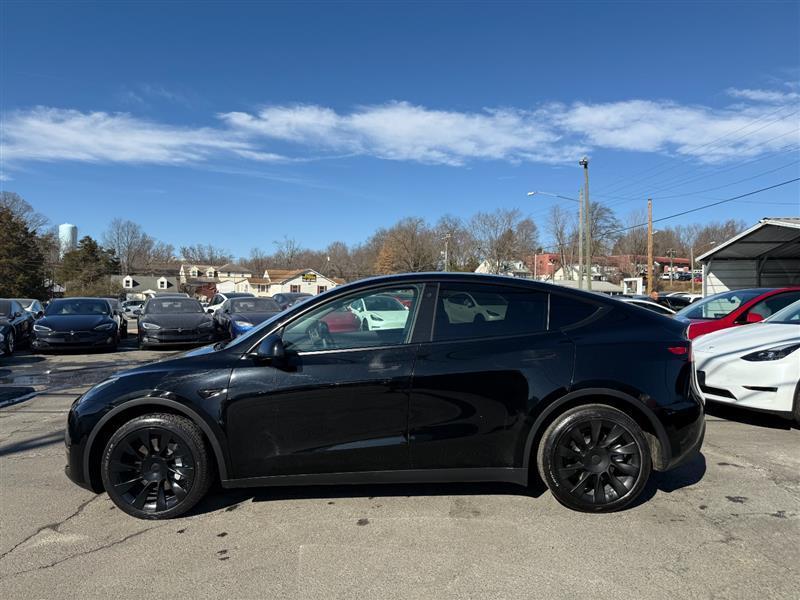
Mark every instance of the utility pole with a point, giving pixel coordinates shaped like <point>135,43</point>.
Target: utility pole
<point>446,237</point>
<point>580,239</point>
<point>587,212</point>
<point>649,246</point>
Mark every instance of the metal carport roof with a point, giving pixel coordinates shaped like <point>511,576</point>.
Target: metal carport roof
<point>772,237</point>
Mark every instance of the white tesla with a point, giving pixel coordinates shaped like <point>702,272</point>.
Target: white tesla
<point>753,366</point>
<point>380,312</point>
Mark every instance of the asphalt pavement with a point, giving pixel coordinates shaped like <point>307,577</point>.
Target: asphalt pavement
<point>726,525</point>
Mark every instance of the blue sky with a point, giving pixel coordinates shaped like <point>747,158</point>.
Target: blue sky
<point>240,123</point>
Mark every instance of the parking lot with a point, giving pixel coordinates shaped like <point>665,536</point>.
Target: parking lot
<point>727,525</point>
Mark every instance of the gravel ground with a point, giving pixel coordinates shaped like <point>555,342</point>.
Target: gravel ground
<point>727,525</point>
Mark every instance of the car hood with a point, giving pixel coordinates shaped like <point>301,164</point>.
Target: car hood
<point>253,317</point>
<point>747,338</point>
<point>74,322</point>
<point>184,320</point>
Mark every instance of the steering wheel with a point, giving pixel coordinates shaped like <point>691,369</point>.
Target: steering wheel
<point>320,335</point>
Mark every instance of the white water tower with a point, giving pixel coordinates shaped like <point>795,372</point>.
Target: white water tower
<point>67,237</point>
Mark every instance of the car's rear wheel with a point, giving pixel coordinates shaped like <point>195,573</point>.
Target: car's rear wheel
<point>156,466</point>
<point>594,458</point>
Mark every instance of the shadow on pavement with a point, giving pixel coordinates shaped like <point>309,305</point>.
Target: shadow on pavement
<point>748,417</point>
<point>684,476</point>
<point>229,499</point>
<point>10,393</point>
<point>46,439</point>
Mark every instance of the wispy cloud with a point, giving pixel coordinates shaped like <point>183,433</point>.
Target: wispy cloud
<point>771,96</point>
<point>760,121</point>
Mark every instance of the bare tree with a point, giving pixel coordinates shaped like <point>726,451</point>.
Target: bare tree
<point>560,224</point>
<point>22,210</point>
<point>462,247</point>
<point>205,254</point>
<point>408,247</point>
<point>286,254</point>
<point>504,236</point>
<point>129,242</point>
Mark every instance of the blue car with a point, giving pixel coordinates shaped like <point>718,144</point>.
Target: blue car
<point>239,315</point>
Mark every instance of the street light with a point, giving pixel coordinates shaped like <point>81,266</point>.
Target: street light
<point>584,162</point>
<point>581,227</point>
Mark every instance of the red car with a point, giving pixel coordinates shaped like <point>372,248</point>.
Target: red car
<point>341,320</point>
<point>737,307</point>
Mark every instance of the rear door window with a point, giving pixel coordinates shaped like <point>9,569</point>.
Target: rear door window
<point>465,311</point>
<point>769,306</point>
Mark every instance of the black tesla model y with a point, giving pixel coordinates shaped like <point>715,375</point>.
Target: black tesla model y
<point>480,378</point>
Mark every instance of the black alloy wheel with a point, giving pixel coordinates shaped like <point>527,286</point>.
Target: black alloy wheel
<point>10,343</point>
<point>594,458</point>
<point>156,466</point>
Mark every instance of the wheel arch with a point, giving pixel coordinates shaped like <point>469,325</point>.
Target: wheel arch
<point>105,427</point>
<point>656,435</point>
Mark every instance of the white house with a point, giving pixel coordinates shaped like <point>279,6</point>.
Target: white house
<point>276,281</point>
<point>511,268</point>
<point>189,271</point>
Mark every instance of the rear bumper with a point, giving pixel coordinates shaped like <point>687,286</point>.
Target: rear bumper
<point>685,426</point>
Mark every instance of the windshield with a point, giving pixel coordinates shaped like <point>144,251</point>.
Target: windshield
<point>383,304</point>
<point>718,306</point>
<point>255,305</point>
<point>172,306</point>
<point>5,308</point>
<point>26,302</point>
<point>85,306</point>
<point>789,315</point>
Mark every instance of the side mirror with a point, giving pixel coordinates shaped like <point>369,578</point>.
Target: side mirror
<point>39,314</point>
<point>210,311</point>
<point>17,314</point>
<point>270,350</point>
<point>753,318</point>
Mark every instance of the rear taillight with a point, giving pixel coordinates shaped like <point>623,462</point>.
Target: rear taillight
<point>683,352</point>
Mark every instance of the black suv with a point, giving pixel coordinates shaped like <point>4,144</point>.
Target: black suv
<point>476,378</point>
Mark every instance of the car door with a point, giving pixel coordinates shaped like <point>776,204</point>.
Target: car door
<point>475,383</point>
<point>338,403</point>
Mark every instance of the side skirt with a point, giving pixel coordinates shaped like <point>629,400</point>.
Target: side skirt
<point>508,475</point>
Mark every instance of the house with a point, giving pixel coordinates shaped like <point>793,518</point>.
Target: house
<point>195,271</point>
<point>277,281</point>
<point>510,268</point>
<point>141,287</point>
<point>233,271</point>
<point>544,265</point>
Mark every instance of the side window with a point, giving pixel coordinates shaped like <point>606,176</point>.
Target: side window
<point>769,306</point>
<point>566,311</point>
<point>366,319</point>
<point>216,300</point>
<point>474,311</point>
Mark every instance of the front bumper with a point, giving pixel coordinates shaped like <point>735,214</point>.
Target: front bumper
<point>765,385</point>
<point>73,339</point>
<point>175,338</point>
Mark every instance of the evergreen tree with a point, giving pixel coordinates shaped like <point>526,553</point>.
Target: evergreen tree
<point>21,259</point>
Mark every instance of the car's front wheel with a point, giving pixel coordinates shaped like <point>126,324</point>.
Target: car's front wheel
<point>156,466</point>
<point>10,344</point>
<point>594,458</point>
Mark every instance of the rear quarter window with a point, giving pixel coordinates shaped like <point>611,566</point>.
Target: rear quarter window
<point>568,312</point>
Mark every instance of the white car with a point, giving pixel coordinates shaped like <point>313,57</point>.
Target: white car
<point>648,305</point>
<point>380,312</point>
<point>753,366</point>
<point>219,299</point>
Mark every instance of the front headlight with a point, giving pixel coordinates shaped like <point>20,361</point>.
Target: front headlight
<point>206,325</point>
<point>243,324</point>
<point>776,353</point>
<point>105,327</point>
<point>150,326</point>
<point>38,327</point>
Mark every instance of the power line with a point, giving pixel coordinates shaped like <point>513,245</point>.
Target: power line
<point>616,188</point>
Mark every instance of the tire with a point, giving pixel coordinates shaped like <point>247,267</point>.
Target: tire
<point>10,344</point>
<point>157,466</point>
<point>594,458</point>
<point>364,325</point>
